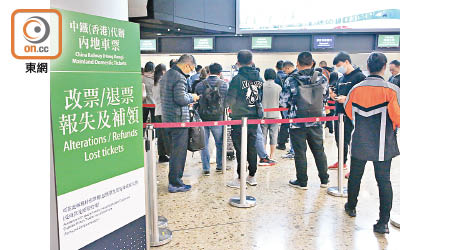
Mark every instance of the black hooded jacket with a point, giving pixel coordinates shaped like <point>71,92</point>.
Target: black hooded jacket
<point>245,94</point>
<point>346,83</point>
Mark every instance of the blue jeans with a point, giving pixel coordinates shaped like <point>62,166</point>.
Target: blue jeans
<point>259,144</point>
<point>217,132</point>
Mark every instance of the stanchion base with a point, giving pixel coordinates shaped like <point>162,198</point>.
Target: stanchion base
<point>165,236</point>
<point>395,221</point>
<point>334,191</point>
<point>250,201</point>
<point>163,222</point>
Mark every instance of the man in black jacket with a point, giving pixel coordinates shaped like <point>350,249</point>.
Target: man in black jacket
<point>351,77</point>
<point>309,132</point>
<point>244,97</point>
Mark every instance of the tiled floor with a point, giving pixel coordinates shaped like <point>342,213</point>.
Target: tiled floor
<point>284,217</point>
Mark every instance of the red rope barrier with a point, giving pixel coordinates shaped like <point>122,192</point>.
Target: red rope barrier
<point>149,105</point>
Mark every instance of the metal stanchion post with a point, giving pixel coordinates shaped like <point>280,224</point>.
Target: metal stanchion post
<point>243,200</point>
<point>395,221</point>
<point>224,145</point>
<point>340,190</point>
<point>155,234</point>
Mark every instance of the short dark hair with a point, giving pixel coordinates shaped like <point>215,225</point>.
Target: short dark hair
<point>185,58</point>
<point>270,74</point>
<point>342,57</point>
<point>305,59</point>
<point>288,64</point>
<point>279,65</point>
<point>245,57</point>
<point>215,68</point>
<point>376,62</point>
<point>149,67</point>
<point>323,62</point>
<point>198,68</point>
<point>172,62</point>
<point>396,63</point>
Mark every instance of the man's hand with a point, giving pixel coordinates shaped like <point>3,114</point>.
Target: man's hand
<point>332,94</point>
<point>195,97</point>
<point>341,98</point>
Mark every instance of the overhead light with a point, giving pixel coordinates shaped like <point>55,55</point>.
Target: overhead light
<point>158,34</point>
<point>178,29</point>
<point>229,27</point>
<point>168,29</point>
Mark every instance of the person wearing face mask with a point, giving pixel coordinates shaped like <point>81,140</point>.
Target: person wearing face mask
<point>175,101</point>
<point>351,77</point>
<point>288,69</point>
<point>374,106</point>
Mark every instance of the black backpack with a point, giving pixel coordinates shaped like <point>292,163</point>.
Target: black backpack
<point>211,103</point>
<point>309,98</point>
<point>196,141</point>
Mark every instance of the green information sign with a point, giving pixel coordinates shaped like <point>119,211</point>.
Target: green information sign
<point>262,42</point>
<point>203,43</point>
<point>96,116</point>
<point>148,45</point>
<point>388,41</point>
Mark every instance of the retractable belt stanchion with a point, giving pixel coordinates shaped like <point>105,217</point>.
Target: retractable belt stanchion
<point>340,190</point>
<point>395,221</point>
<point>155,234</point>
<point>243,200</point>
<point>224,144</point>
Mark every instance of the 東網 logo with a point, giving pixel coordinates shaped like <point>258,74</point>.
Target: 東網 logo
<point>36,34</point>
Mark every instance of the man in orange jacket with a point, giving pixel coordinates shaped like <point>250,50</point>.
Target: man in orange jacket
<point>374,107</point>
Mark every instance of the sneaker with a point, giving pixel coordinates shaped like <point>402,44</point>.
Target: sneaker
<point>324,184</point>
<point>336,166</point>
<point>297,184</point>
<point>288,156</point>
<point>163,159</point>
<point>347,175</point>
<point>206,173</point>
<point>219,170</point>
<point>349,211</point>
<point>281,147</point>
<point>174,189</point>
<point>251,180</point>
<point>236,183</point>
<point>381,228</point>
<point>266,162</point>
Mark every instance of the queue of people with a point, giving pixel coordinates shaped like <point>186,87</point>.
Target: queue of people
<point>370,106</point>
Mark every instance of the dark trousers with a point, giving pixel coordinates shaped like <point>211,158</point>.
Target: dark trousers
<point>163,139</point>
<point>145,113</point>
<point>283,135</point>
<point>178,147</point>
<point>329,124</point>
<point>383,177</point>
<point>312,135</point>
<point>348,128</point>
<point>236,135</point>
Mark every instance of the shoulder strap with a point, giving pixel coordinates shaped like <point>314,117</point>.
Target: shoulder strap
<point>314,77</point>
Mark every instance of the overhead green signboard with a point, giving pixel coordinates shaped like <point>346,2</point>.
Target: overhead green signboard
<point>262,42</point>
<point>96,116</point>
<point>388,41</point>
<point>148,45</point>
<point>203,43</point>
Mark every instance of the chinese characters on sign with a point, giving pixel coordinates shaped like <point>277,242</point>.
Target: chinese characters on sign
<point>97,37</point>
<point>85,99</point>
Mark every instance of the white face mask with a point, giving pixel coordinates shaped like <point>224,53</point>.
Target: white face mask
<point>342,69</point>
